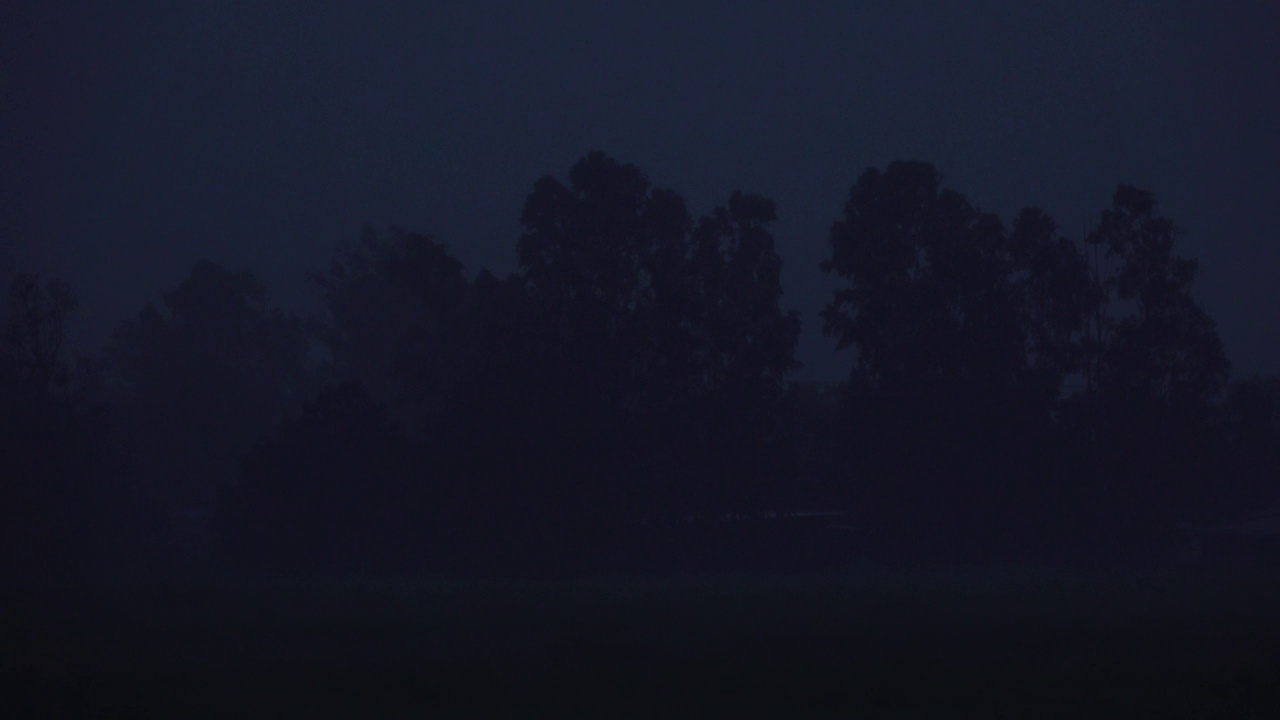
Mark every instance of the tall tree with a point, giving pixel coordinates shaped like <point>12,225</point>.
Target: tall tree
<point>587,258</point>
<point>674,327</point>
<point>1155,368</point>
<point>1153,342</point>
<point>932,312</point>
<point>743,345</point>
<point>391,312</point>
<point>35,335</point>
<point>1057,299</point>
<point>965,333</point>
<point>930,306</point>
<point>200,380</point>
<point>56,448</point>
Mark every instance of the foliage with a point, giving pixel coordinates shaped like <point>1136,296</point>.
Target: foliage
<point>673,328</point>
<point>331,490</point>
<point>1154,344</point>
<point>59,466</point>
<point>967,334</point>
<point>198,382</point>
<point>390,320</point>
<point>1011,391</point>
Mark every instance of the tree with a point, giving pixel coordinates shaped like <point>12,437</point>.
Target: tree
<point>333,490</point>
<point>671,331</point>
<point>1057,298</point>
<point>199,382</point>
<point>1152,341</point>
<point>743,345</point>
<point>58,464</point>
<point>930,304</point>
<point>965,335</point>
<point>1155,366</point>
<point>391,319</point>
<point>933,312</point>
<point>578,423</point>
<point>520,449</point>
<point>36,334</point>
<point>737,290</point>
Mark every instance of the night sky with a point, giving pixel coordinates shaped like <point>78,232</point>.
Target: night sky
<point>137,137</point>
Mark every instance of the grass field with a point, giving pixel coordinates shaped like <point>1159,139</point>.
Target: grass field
<point>945,642</point>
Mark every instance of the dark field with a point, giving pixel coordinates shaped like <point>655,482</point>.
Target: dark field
<point>957,642</point>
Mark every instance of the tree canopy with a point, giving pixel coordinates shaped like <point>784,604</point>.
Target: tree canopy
<point>1010,391</point>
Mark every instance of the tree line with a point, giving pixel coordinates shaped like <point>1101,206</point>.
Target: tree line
<point>1011,392</point>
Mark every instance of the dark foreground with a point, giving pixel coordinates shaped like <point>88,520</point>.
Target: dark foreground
<point>957,642</point>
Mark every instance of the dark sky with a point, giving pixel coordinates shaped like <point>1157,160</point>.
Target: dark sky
<point>137,137</point>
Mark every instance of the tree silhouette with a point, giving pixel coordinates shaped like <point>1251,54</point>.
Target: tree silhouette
<point>744,345</point>
<point>58,463</point>
<point>1010,388</point>
<point>967,334</point>
<point>930,305</point>
<point>1057,298</point>
<point>938,308</point>
<point>671,330</point>
<point>1154,344</point>
<point>333,490</point>
<point>633,367</point>
<point>201,381</point>
<point>36,333</point>
<point>1154,367</point>
<point>391,305</point>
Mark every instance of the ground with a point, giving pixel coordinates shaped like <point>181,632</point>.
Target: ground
<point>950,641</point>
